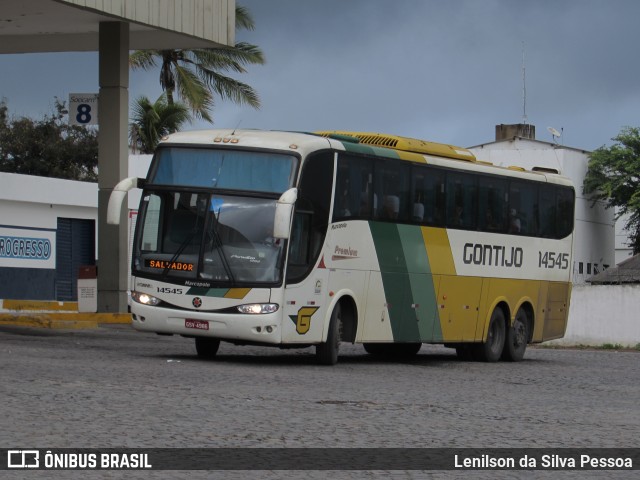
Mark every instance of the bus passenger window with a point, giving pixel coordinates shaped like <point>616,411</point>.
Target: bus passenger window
<point>462,201</point>
<point>492,204</point>
<point>566,201</point>
<point>523,207</point>
<point>547,212</point>
<point>353,194</point>
<point>391,185</point>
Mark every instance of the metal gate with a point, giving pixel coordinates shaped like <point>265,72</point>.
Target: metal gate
<point>75,246</point>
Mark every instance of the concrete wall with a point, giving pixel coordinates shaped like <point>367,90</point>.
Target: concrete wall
<point>602,314</point>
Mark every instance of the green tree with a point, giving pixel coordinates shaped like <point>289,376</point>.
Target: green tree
<point>151,121</point>
<point>613,176</point>
<point>48,147</point>
<point>195,75</point>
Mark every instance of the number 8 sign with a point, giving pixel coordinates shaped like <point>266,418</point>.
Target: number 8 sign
<point>83,109</point>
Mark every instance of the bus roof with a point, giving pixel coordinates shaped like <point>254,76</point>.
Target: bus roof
<point>374,143</point>
<point>404,144</point>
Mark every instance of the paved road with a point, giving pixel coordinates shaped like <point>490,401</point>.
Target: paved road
<point>114,387</point>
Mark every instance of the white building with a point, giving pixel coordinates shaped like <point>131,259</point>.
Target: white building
<point>48,229</point>
<point>623,250</point>
<point>595,226</point>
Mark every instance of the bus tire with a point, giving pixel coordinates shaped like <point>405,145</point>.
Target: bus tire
<point>491,350</point>
<point>517,336</point>
<point>207,347</point>
<point>327,352</point>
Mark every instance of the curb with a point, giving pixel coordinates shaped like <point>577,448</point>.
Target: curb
<point>64,320</point>
<point>28,313</point>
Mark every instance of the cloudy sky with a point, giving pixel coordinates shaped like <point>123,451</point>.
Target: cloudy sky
<point>446,71</point>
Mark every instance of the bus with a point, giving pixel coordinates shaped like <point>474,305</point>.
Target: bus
<point>314,239</point>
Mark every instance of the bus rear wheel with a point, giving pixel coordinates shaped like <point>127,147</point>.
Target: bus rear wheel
<point>491,350</point>
<point>207,347</point>
<point>327,352</point>
<point>517,337</point>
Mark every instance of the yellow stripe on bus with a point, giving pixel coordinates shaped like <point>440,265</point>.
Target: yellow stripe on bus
<point>436,242</point>
<point>237,293</point>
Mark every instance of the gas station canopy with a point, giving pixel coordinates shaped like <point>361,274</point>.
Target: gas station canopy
<point>73,25</point>
<point>113,28</point>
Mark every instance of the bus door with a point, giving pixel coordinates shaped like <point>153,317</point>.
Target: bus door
<point>306,291</point>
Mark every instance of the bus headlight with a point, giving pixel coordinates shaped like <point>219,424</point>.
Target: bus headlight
<point>258,308</point>
<point>145,299</point>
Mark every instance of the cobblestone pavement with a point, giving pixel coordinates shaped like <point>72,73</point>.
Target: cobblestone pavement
<point>113,387</point>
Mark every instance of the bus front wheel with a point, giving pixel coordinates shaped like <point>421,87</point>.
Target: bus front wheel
<point>207,347</point>
<point>517,336</point>
<point>491,350</point>
<point>327,353</point>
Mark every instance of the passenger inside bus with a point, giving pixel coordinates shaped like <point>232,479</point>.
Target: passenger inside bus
<point>418,212</point>
<point>457,220</point>
<point>391,207</point>
<point>514,221</point>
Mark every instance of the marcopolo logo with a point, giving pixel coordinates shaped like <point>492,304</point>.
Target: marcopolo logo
<point>25,248</point>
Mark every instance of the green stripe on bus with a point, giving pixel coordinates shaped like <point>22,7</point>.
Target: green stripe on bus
<point>369,150</point>
<point>208,292</point>
<point>395,281</point>
<point>423,292</point>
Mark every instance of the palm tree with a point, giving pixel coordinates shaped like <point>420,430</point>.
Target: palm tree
<point>152,121</point>
<point>194,75</point>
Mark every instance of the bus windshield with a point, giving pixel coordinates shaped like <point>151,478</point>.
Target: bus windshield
<point>223,169</point>
<point>209,238</point>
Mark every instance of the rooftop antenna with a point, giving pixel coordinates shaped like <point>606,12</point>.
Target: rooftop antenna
<point>524,89</point>
<point>236,127</point>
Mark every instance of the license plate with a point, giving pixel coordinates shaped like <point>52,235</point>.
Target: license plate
<point>197,324</point>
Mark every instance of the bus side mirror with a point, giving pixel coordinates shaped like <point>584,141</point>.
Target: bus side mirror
<point>284,209</point>
<point>118,195</point>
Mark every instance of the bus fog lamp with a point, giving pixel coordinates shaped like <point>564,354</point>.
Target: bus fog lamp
<point>145,299</point>
<point>258,308</point>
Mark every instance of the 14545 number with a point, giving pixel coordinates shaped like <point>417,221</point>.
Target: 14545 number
<point>553,260</point>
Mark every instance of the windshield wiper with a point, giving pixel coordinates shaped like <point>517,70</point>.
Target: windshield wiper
<point>186,241</point>
<point>218,243</point>
<point>181,248</point>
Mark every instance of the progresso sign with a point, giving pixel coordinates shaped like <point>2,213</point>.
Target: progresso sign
<point>24,247</point>
<point>35,249</point>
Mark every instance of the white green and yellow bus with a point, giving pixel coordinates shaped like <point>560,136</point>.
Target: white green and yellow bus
<point>313,239</point>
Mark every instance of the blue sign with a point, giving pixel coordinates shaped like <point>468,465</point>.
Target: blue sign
<point>25,248</point>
